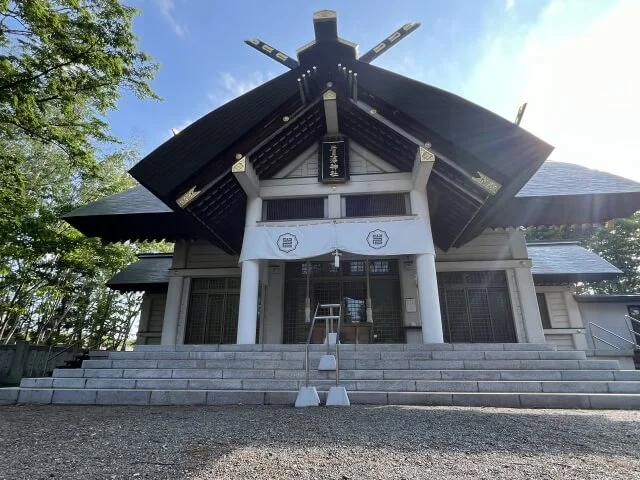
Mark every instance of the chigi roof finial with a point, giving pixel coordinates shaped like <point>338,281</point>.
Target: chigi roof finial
<point>325,26</point>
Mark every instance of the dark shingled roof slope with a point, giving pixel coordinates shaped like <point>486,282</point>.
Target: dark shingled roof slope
<point>135,200</point>
<point>568,262</point>
<point>567,194</point>
<point>558,178</point>
<point>604,298</point>
<point>193,148</point>
<point>150,273</point>
<point>135,214</point>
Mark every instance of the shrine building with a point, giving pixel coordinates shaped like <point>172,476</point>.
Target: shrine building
<point>344,184</point>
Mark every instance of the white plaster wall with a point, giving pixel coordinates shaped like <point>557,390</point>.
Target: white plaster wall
<point>490,245</point>
<point>151,318</point>
<point>361,162</point>
<point>564,341</point>
<point>558,314</point>
<point>567,329</point>
<point>609,316</point>
<point>203,254</point>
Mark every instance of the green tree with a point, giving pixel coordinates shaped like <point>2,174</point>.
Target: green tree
<point>63,65</point>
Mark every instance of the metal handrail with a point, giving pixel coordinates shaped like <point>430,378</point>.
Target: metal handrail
<point>633,319</point>
<point>591,324</point>
<point>338,348</point>
<point>46,364</point>
<point>633,333</point>
<point>306,347</point>
<point>604,341</point>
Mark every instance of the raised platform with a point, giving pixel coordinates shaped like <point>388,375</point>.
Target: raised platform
<point>504,375</point>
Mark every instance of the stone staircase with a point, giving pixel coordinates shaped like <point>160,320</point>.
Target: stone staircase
<point>499,375</point>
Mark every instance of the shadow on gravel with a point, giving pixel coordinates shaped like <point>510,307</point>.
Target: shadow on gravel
<point>194,438</point>
<point>471,430</point>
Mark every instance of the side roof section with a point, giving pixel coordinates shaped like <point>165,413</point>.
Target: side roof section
<point>568,262</point>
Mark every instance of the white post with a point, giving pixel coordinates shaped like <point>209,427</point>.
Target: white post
<point>172,311</point>
<point>249,282</point>
<point>529,305</point>
<point>429,299</point>
<point>427,281</point>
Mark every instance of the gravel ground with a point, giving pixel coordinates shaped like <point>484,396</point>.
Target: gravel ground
<point>278,442</point>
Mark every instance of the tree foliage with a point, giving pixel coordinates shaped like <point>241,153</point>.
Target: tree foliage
<point>618,242</point>
<point>63,66</point>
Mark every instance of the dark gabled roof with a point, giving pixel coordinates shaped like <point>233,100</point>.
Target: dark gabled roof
<point>465,131</point>
<point>631,298</point>
<point>133,201</point>
<point>473,138</point>
<point>567,194</point>
<point>135,214</point>
<point>568,262</point>
<point>562,179</point>
<point>273,122</point>
<point>175,161</point>
<point>150,273</point>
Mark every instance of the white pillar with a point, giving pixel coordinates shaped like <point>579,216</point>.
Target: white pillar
<point>529,305</point>
<point>249,282</point>
<point>429,299</point>
<point>427,281</point>
<point>172,311</point>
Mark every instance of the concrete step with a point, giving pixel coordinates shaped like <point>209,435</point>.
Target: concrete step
<point>350,346</point>
<point>369,354</point>
<point>350,374</point>
<point>9,395</point>
<point>478,363</point>
<point>271,384</point>
<point>234,397</point>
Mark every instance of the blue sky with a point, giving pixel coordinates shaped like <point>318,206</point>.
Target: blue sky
<point>570,59</point>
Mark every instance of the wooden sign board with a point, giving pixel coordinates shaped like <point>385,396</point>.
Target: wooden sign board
<point>334,161</point>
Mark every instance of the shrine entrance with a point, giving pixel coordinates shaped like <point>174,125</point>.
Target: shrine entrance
<point>346,284</point>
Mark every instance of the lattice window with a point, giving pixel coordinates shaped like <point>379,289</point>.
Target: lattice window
<point>213,311</point>
<point>294,208</point>
<point>475,307</point>
<point>375,205</point>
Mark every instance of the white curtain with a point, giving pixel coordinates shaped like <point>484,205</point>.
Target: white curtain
<point>299,240</point>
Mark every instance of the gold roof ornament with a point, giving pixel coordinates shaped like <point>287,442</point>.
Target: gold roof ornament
<point>426,155</point>
<point>486,182</point>
<point>240,166</point>
<point>187,197</point>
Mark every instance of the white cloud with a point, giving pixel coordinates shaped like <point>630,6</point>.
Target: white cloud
<point>509,4</point>
<point>576,68</point>
<point>167,8</point>
<point>230,86</point>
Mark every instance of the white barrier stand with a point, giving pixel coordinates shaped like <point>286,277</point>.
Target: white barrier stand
<point>333,338</point>
<point>338,397</point>
<point>307,397</point>
<point>327,362</point>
